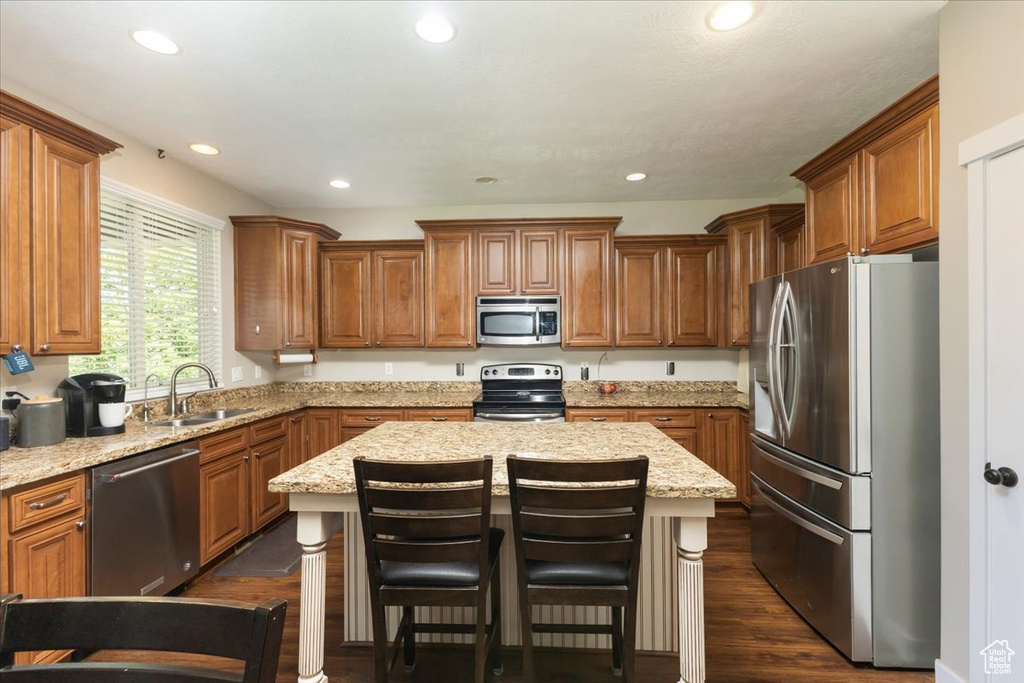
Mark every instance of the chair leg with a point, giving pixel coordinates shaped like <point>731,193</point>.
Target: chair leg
<point>409,638</point>
<point>380,641</point>
<point>480,647</point>
<point>526,620</point>
<point>616,640</point>
<point>629,635</point>
<point>497,666</point>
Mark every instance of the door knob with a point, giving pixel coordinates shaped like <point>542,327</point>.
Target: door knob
<point>1004,476</point>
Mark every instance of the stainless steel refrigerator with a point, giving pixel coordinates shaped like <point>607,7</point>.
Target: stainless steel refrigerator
<point>844,452</point>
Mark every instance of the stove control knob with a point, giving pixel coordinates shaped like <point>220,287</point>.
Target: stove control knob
<point>556,371</point>
<point>487,372</point>
<point>547,372</point>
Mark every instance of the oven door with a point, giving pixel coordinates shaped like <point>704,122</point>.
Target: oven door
<point>507,325</point>
<point>519,418</point>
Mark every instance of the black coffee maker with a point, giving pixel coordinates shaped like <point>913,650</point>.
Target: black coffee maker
<point>83,395</point>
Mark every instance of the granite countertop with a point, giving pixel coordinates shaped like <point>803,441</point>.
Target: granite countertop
<point>674,471</point>
<point>21,466</point>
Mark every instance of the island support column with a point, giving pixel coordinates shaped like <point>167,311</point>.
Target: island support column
<point>314,528</point>
<point>691,537</point>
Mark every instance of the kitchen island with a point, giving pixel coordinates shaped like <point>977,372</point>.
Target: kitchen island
<point>681,491</point>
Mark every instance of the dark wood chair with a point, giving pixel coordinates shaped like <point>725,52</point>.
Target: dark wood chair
<point>428,539</point>
<point>205,627</point>
<point>577,527</point>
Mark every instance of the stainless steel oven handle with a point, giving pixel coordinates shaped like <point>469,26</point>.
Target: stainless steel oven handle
<point>518,417</point>
<point>159,463</point>
<point>785,464</point>
<point>799,521</point>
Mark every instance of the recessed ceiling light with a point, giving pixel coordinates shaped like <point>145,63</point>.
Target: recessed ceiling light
<point>486,180</point>
<point>151,40</point>
<point>201,148</point>
<point>340,184</point>
<point>730,15</point>
<point>435,29</point>
<point>636,177</point>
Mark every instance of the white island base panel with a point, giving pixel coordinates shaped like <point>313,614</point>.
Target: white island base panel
<point>670,599</point>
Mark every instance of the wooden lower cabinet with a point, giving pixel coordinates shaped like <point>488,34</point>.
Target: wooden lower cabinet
<point>223,504</point>
<point>268,459</point>
<point>720,444</point>
<point>743,456</point>
<point>298,439</point>
<point>439,415</point>
<point>597,415</point>
<point>324,425</point>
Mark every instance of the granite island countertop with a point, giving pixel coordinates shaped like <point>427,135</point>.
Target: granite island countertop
<point>674,471</point>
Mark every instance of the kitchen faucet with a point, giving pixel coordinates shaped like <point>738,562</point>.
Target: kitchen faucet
<point>174,387</point>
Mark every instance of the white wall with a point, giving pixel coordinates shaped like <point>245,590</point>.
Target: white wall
<point>136,164</point>
<point>981,72</point>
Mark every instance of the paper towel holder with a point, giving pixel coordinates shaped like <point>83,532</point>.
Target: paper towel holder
<point>278,357</point>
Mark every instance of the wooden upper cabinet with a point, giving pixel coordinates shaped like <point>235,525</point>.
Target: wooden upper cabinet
<point>639,300</point>
<point>496,263</point>
<point>588,298</point>
<point>876,190</point>
<point>450,304</point>
<point>346,297</point>
<point>901,186</point>
<point>694,294</point>
<point>785,248</point>
<point>539,262</point>
<point>276,301</point>
<point>748,233</point>
<point>398,298</point>
<point>50,231</point>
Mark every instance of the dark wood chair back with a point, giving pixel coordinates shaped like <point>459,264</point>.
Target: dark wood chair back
<point>578,510</point>
<point>424,512</point>
<point>220,628</point>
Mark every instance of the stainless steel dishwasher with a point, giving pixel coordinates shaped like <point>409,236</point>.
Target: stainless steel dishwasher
<point>145,522</point>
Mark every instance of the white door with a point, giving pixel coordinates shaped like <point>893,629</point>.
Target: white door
<point>996,319</point>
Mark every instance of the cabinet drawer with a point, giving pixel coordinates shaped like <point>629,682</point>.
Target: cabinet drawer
<point>667,418</point>
<point>439,415</point>
<point>268,429</point>
<point>46,502</point>
<point>223,443</point>
<point>596,415</point>
<point>363,418</point>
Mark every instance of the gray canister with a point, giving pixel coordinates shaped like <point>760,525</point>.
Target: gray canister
<point>41,422</point>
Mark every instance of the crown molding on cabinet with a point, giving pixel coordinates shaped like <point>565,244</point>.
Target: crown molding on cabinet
<point>319,229</point>
<point>25,112</point>
<point>512,223</point>
<point>770,211</point>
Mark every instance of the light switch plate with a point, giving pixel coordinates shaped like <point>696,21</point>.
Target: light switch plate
<point>258,372</point>
<point>236,374</point>
<point>389,368</point>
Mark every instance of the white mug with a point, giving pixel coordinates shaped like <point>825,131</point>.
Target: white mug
<point>113,414</point>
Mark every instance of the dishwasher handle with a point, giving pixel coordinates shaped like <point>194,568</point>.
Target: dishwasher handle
<point>113,478</point>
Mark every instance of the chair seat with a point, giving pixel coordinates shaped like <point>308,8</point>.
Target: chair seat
<point>577,573</point>
<point>439,573</point>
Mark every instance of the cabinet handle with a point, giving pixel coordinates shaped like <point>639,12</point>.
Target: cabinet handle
<point>439,419</point>
<point>80,526</point>
<point>372,419</point>
<point>44,347</point>
<point>663,419</point>
<point>48,503</point>
<point>598,419</point>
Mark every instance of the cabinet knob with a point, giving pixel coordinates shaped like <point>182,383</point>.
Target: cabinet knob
<point>469,343</point>
<point>366,343</point>
<point>257,330</point>
<point>659,342</point>
<point>287,343</point>
<point>246,456</point>
<point>378,342</point>
<point>296,420</point>
<point>710,416</point>
<point>80,525</point>
<point>864,251</point>
<point>44,347</point>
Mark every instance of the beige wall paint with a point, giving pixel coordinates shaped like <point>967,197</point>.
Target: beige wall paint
<point>136,164</point>
<point>981,71</point>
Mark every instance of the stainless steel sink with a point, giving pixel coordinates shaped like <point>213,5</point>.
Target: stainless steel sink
<point>182,422</point>
<point>221,414</point>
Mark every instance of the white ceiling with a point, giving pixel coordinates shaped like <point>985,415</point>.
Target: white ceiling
<point>558,100</point>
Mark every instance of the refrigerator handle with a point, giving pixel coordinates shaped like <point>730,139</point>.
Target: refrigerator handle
<point>787,319</point>
<point>773,370</point>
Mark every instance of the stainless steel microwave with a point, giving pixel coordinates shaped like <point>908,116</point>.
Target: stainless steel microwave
<point>518,320</point>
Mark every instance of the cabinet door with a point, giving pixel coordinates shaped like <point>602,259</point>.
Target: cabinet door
<point>66,248</point>
<point>449,298</point>
<point>398,297</point>
<point>268,460</point>
<point>901,186</point>
<point>49,563</point>
<point>786,252</point>
<point>743,460</point>
<point>638,296</point>
<point>720,443</point>
<point>324,429</point>
<point>832,213</point>
<point>540,256</point>
<point>298,439</point>
<point>14,234</point>
<point>258,296</point>
<point>223,504</point>
<point>588,304</point>
<point>300,285</point>
<point>694,295</point>
<point>496,263</point>
<point>746,265</point>
<point>346,299</point>
<point>597,415</point>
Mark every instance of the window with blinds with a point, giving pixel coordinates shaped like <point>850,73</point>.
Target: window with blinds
<point>160,292</point>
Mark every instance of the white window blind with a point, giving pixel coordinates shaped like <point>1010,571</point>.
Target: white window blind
<point>160,292</point>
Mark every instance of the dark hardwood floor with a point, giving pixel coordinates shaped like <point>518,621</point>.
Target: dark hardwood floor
<point>752,634</point>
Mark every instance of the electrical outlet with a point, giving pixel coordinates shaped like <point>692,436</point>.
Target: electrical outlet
<point>307,370</point>
<point>460,369</point>
<point>670,367</point>
<point>236,374</point>
<point>258,372</point>
<point>389,368</point>
<point>584,371</point>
